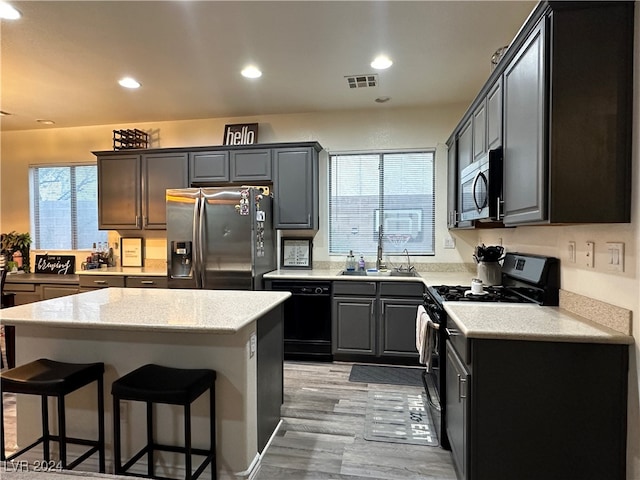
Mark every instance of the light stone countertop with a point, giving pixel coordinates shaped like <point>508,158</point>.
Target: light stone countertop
<point>512,321</point>
<point>149,271</point>
<point>149,309</point>
<point>427,278</point>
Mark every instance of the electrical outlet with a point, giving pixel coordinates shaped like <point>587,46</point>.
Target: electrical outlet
<point>571,254</point>
<point>615,252</point>
<point>449,242</point>
<point>590,254</point>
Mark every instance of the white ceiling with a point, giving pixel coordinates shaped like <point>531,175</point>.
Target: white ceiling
<point>62,59</point>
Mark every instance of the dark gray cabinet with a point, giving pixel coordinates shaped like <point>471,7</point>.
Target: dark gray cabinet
<point>567,130</point>
<point>222,166</point>
<point>119,192</point>
<point>524,114</point>
<point>250,165</point>
<point>209,167</point>
<point>161,171</point>
<point>295,185</point>
<point>132,189</point>
<point>375,319</point>
<point>511,403</point>
<point>131,186</point>
<point>494,116</point>
<point>560,104</point>
<point>452,183</point>
<point>457,396</point>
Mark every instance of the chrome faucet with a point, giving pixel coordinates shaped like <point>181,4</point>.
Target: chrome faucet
<point>379,264</point>
<point>409,267</point>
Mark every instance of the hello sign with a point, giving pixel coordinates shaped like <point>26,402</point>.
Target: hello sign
<point>241,134</point>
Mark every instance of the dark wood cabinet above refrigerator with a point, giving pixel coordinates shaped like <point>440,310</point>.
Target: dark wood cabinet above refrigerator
<point>132,184</point>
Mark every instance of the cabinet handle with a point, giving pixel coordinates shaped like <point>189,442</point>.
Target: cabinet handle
<point>499,215</point>
<point>100,282</point>
<point>147,282</point>
<point>137,220</point>
<point>145,221</point>
<point>461,381</point>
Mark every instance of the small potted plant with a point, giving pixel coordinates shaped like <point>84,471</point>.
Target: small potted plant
<point>13,242</point>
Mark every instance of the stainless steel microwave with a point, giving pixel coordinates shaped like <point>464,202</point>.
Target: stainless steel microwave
<point>481,188</point>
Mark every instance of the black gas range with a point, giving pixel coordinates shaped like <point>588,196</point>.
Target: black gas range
<point>525,279</point>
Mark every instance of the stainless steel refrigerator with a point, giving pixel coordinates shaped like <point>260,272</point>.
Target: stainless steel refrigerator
<point>220,238</point>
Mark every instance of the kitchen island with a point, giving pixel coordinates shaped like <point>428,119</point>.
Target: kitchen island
<point>236,333</point>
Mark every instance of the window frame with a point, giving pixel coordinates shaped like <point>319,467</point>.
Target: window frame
<point>381,154</point>
<point>34,201</point>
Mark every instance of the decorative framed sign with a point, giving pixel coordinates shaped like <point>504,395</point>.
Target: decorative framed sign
<point>131,252</point>
<point>296,253</point>
<point>56,264</point>
<point>240,134</point>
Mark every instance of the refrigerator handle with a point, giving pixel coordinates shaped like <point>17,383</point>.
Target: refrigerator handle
<point>196,241</point>
<point>200,252</point>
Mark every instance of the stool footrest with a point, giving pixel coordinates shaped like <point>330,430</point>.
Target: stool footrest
<point>167,448</point>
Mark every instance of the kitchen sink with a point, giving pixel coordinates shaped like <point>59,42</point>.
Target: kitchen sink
<point>404,273</point>
<point>388,273</point>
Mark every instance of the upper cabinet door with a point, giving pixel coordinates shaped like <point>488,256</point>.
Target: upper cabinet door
<point>525,124</point>
<point>250,165</point>
<point>159,172</point>
<point>295,187</point>
<point>479,119</point>
<point>208,167</point>
<point>494,116</point>
<point>119,188</point>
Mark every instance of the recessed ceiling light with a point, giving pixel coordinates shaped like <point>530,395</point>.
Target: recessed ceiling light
<point>44,121</point>
<point>381,62</point>
<point>128,82</point>
<point>7,12</point>
<point>251,72</point>
<point>382,99</point>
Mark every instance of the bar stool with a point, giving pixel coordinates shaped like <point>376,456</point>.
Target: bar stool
<point>49,378</point>
<point>165,385</point>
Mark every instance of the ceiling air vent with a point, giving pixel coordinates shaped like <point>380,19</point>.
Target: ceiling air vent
<point>362,81</point>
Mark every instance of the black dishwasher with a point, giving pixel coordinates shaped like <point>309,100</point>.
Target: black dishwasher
<point>307,320</point>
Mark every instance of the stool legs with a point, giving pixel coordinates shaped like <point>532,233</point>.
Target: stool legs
<point>187,440</point>
<point>150,439</point>
<point>45,427</point>
<point>101,454</point>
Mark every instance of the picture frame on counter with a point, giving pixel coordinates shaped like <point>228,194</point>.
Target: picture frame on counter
<point>131,252</point>
<point>296,253</point>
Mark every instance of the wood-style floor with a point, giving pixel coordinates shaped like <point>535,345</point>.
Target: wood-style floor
<point>321,436</point>
<point>322,433</point>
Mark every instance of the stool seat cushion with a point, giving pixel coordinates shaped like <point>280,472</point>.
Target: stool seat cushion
<point>155,383</point>
<point>48,377</point>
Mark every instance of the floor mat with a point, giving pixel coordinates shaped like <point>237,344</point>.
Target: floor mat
<point>386,374</point>
<point>399,418</point>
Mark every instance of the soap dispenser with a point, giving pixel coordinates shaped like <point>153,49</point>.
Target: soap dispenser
<point>351,262</point>
<point>361,264</point>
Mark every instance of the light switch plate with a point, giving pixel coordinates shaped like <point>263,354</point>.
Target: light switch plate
<point>615,256</point>
<point>589,254</point>
<point>449,242</point>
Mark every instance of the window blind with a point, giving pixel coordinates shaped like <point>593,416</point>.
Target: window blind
<point>64,207</point>
<point>388,194</point>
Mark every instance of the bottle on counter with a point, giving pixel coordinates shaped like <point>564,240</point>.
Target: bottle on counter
<point>351,262</point>
<point>361,263</point>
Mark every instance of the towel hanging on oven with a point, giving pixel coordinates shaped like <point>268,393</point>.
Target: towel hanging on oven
<point>426,337</point>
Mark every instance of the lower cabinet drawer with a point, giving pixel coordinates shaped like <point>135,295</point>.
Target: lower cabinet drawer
<point>101,281</point>
<point>147,282</point>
